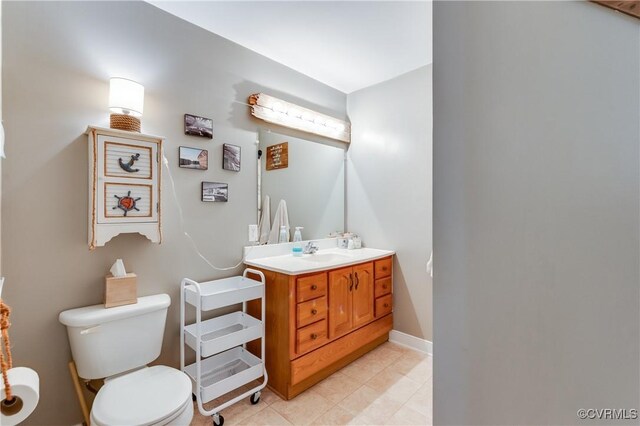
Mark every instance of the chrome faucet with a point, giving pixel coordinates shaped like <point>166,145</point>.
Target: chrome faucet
<point>311,248</point>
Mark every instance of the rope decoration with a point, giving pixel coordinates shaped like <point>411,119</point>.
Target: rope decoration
<point>5,363</point>
<point>124,122</point>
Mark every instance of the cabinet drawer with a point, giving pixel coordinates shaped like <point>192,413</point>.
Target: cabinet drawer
<point>127,202</point>
<point>383,268</point>
<point>311,287</point>
<point>384,305</point>
<point>383,286</point>
<point>311,311</point>
<point>311,336</point>
<point>127,158</point>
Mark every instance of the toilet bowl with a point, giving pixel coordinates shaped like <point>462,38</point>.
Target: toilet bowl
<point>157,395</point>
<point>117,344</point>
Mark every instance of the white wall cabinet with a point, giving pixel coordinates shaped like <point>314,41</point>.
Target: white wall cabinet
<point>124,185</point>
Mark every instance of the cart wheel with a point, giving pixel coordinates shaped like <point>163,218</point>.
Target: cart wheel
<point>218,419</point>
<point>193,397</point>
<point>255,398</point>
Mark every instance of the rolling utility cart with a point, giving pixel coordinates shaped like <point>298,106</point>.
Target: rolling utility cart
<point>222,360</point>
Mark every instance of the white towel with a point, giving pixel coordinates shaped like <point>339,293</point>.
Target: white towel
<point>281,218</point>
<point>265,221</point>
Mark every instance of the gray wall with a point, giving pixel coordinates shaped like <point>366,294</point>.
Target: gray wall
<point>389,186</point>
<point>0,121</point>
<point>312,184</point>
<point>536,219</point>
<point>58,57</point>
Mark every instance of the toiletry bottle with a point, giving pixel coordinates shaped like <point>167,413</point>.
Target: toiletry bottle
<point>357,242</point>
<point>297,242</point>
<point>283,235</point>
<point>343,240</point>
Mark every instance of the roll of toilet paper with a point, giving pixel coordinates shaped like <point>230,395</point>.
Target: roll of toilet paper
<point>25,388</point>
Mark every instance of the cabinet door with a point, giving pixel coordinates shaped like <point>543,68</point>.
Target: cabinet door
<point>363,300</point>
<point>340,291</point>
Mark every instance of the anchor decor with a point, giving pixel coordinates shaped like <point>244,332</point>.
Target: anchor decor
<point>127,166</point>
<point>127,203</point>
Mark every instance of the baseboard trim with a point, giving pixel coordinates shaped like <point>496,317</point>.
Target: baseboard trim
<point>412,342</point>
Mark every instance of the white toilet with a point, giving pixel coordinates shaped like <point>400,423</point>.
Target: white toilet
<point>117,344</point>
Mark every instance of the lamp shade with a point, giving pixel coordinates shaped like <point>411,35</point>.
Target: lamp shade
<point>126,97</point>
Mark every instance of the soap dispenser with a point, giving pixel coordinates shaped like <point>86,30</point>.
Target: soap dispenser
<point>283,235</point>
<point>297,242</point>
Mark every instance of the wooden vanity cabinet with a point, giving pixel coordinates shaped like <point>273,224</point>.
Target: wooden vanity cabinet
<point>319,322</point>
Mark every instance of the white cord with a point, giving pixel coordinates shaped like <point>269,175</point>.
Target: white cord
<point>182,227</point>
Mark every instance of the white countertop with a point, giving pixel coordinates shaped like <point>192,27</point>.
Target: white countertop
<point>329,258</point>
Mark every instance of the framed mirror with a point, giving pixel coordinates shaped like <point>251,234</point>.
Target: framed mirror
<point>309,176</point>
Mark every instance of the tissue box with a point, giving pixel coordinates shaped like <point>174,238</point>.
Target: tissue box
<point>120,291</point>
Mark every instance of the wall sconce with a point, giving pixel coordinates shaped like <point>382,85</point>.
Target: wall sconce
<point>126,101</point>
<point>286,114</point>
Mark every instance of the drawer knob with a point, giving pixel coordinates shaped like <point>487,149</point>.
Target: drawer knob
<point>384,268</point>
<point>384,286</point>
<point>314,336</point>
<point>314,311</point>
<point>386,305</point>
<point>314,287</point>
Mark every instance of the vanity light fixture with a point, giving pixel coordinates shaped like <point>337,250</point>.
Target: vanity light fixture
<point>126,101</point>
<point>286,114</point>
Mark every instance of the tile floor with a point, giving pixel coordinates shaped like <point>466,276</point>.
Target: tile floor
<point>390,385</point>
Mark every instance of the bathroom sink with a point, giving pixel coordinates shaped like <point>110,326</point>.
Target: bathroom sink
<point>325,257</point>
<point>281,259</point>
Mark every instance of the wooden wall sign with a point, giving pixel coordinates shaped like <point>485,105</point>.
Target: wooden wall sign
<point>278,156</point>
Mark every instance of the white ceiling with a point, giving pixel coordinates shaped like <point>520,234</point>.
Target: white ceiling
<point>347,45</point>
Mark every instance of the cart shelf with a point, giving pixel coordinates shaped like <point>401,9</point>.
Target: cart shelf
<point>225,372</point>
<point>219,293</point>
<point>222,362</point>
<point>222,333</point>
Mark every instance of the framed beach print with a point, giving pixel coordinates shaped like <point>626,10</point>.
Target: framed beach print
<point>231,157</point>
<point>215,192</point>
<point>193,158</point>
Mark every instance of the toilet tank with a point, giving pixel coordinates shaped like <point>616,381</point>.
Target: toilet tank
<point>105,342</point>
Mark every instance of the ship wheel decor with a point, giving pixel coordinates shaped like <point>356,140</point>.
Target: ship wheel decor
<point>127,166</point>
<point>127,203</point>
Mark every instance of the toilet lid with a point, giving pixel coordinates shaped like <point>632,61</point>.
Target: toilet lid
<point>143,397</point>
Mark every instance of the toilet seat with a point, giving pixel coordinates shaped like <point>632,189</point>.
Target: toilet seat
<point>150,396</point>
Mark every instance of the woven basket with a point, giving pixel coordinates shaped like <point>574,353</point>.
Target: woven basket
<point>124,122</point>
